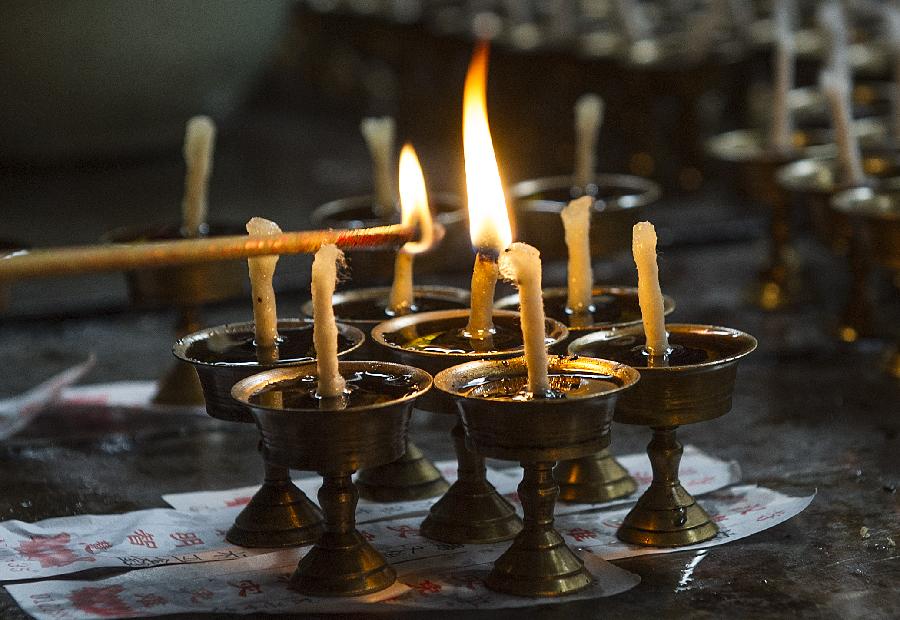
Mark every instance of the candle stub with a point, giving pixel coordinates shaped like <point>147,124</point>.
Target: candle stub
<point>379,134</point>
<point>649,293</point>
<point>521,263</point>
<point>324,279</point>
<point>262,270</point>
<point>199,138</point>
<point>415,212</point>
<point>780,138</point>
<point>588,118</point>
<point>576,218</point>
<point>837,92</point>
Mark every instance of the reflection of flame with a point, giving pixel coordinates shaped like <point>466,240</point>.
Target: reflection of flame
<point>489,224</point>
<point>414,201</point>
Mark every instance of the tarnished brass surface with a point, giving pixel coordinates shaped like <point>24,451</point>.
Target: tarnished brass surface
<point>278,515</point>
<point>593,479</point>
<point>370,268</point>
<point>409,478</point>
<point>668,396</point>
<point>180,386</point>
<point>449,295</point>
<point>217,379</point>
<point>471,511</point>
<point>537,432</point>
<point>621,200</point>
<point>336,443</point>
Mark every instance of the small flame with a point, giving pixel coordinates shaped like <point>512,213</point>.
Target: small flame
<point>414,201</point>
<point>489,224</point>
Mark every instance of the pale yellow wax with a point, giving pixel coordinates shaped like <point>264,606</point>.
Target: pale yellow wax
<point>265,317</point>
<point>481,312</point>
<point>521,263</point>
<point>401,298</point>
<point>588,118</point>
<point>325,335</point>
<point>837,91</point>
<point>780,138</point>
<point>379,134</point>
<point>576,218</point>
<point>649,294</point>
<point>199,137</point>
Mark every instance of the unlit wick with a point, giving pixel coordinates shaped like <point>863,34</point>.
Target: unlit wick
<point>415,210</point>
<point>265,316</point>
<point>588,118</point>
<point>199,138</point>
<point>837,91</point>
<point>521,263</point>
<point>576,218</point>
<point>379,134</point>
<point>649,294</point>
<point>325,336</point>
<point>784,76</point>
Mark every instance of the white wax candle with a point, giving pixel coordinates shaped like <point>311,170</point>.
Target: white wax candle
<point>199,137</point>
<point>576,217</point>
<point>649,294</point>
<point>379,134</point>
<point>780,138</point>
<point>481,312</point>
<point>588,118</point>
<point>837,91</point>
<point>262,269</point>
<point>402,296</point>
<point>832,21</point>
<point>892,21</point>
<point>521,263</point>
<point>325,335</point>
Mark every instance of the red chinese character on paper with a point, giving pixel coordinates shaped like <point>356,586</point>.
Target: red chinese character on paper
<point>687,471</point>
<point>403,530</point>
<point>642,477</point>
<point>50,550</point>
<point>699,481</point>
<point>367,535</point>
<point>238,501</point>
<point>185,539</point>
<point>150,600</point>
<point>103,602</point>
<point>100,545</point>
<point>201,595</point>
<point>580,534</point>
<point>777,513</point>
<point>466,579</point>
<point>246,587</point>
<point>426,586</point>
<point>749,508</point>
<point>719,518</point>
<point>140,538</point>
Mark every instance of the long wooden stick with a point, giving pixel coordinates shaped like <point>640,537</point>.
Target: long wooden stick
<point>125,256</point>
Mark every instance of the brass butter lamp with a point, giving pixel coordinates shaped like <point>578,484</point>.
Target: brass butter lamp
<point>279,514</point>
<point>693,383</point>
<point>368,429</point>
<point>537,432</point>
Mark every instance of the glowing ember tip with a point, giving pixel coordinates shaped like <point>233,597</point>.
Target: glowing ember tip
<point>489,221</point>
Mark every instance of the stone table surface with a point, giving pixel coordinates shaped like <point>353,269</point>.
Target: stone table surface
<point>809,414</point>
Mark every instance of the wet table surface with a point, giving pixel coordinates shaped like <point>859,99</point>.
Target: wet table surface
<point>809,414</point>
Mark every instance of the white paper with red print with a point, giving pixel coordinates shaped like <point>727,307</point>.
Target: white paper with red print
<point>17,412</point>
<point>433,577</point>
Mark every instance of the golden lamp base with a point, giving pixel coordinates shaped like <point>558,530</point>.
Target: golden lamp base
<point>593,479</point>
<point>672,393</point>
<point>666,515</point>
<point>336,443</point>
<point>471,511</point>
<point>342,563</point>
<point>411,477</point>
<point>537,432</point>
<point>278,515</point>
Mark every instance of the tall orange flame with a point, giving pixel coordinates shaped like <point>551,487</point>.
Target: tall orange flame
<point>414,201</point>
<point>489,220</point>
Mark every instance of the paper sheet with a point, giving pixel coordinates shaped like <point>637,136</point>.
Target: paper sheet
<point>434,576</point>
<point>17,412</point>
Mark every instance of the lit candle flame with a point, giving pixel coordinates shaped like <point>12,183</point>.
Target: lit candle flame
<point>489,221</point>
<point>414,202</point>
